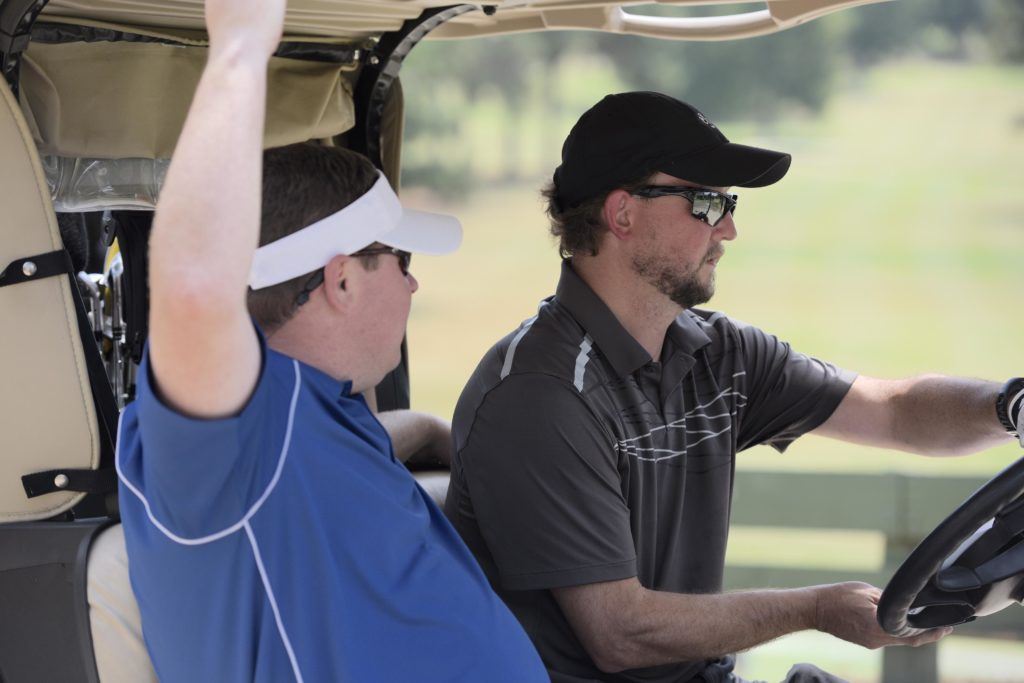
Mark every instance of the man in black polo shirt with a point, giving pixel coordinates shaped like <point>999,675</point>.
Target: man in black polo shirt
<point>595,445</point>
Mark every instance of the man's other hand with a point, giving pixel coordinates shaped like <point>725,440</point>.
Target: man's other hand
<point>244,28</point>
<point>848,611</point>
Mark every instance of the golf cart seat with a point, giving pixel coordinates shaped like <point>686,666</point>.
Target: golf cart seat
<point>57,483</point>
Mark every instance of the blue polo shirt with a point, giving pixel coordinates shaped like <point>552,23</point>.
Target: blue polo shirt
<point>288,543</point>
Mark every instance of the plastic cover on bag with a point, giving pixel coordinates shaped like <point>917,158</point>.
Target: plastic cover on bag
<point>104,184</point>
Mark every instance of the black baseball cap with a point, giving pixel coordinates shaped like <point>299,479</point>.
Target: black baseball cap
<point>629,135</point>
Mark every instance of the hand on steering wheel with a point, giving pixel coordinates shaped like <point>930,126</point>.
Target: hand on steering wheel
<point>971,565</point>
<point>848,611</point>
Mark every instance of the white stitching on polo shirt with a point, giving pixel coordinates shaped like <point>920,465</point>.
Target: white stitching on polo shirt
<point>722,394</point>
<point>273,602</point>
<point>581,362</point>
<point>635,451</point>
<point>630,448</point>
<point>255,506</point>
<point>507,367</point>
<point>680,423</point>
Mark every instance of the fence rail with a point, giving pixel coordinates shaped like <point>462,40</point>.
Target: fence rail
<point>903,508</point>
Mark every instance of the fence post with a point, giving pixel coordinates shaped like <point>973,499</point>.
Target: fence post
<point>901,664</point>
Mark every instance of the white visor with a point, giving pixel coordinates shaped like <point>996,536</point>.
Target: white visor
<point>377,216</point>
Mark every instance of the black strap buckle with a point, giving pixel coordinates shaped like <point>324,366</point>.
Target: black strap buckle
<point>80,481</point>
<point>36,267</point>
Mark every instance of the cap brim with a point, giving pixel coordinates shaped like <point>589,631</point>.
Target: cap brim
<point>422,232</point>
<point>730,165</point>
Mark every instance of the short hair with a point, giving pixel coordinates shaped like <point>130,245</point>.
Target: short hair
<point>302,184</point>
<point>579,228</point>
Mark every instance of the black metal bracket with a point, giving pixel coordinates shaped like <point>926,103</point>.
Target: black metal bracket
<point>380,70</point>
<point>16,20</point>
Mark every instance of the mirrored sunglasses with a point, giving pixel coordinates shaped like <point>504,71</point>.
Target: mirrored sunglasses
<point>707,205</point>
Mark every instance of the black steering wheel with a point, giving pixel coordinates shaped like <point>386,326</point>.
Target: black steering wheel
<point>971,565</point>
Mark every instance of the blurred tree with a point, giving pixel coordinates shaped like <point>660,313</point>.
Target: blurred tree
<point>746,79</point>
<point>880,31</point>
<point>1006,27</point>
<point>939,28</point>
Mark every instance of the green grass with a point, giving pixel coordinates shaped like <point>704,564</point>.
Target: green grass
<point>892,248</point>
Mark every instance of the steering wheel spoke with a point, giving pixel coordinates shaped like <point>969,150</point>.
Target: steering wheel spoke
<point>1002,566</point>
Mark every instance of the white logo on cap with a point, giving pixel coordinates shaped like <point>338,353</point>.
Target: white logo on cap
<point>705,121</point>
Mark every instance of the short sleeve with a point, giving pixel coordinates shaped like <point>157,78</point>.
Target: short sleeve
<point>542,474</point>
<point>787,393</point>
<point>201,476</point>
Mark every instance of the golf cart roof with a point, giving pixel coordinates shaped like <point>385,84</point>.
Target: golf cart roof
<point>348,20</point>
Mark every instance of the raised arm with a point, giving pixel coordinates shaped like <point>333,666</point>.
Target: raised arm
<point>622,625</point>
<point>203,349</point>
<point>930,415</point>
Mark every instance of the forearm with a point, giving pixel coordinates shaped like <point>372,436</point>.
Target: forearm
<point>929,414</point>
<point>207,222</point>
<point>671,627</point>
<point>935,415</point>
<point>623,625</point>
<point>203,350</point>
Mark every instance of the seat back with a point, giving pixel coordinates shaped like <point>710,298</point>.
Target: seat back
<point>47,415</point>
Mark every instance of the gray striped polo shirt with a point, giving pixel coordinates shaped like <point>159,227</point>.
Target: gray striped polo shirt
<point>581,459</point>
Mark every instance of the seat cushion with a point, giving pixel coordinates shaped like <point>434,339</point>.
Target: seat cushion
<point>121,654</point>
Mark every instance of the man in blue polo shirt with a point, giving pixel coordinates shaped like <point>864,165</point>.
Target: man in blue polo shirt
<point>271,533</point>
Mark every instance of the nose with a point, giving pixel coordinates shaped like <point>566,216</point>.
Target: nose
<point>726,228</point>
<point>414,284</point>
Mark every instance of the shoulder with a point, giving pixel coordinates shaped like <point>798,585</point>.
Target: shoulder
<point>546,344</point>
<point>528,375</point>
<point>167,432</point>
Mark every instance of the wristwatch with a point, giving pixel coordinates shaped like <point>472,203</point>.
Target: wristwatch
<point>1009,404</point>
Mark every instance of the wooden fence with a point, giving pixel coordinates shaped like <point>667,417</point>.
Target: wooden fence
<point>904,508</point>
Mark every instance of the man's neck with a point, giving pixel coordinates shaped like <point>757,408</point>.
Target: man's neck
<point>300,338</point>
<point>641,309</point>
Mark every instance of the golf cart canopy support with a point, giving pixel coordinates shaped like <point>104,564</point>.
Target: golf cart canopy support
<point>347,21</point>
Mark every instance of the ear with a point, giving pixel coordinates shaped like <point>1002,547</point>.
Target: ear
<point>619,214</point>
<point>340,275</point>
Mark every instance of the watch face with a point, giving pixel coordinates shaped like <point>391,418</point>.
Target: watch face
<point>1010,403</point>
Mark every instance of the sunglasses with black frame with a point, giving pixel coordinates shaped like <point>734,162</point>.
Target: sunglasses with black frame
<point>707,205</point>
<point>317,278</point>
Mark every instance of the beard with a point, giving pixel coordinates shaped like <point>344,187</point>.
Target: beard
<point>681,284</point>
